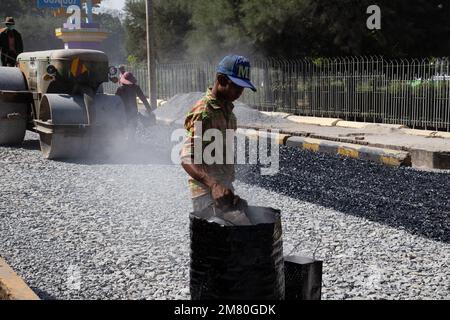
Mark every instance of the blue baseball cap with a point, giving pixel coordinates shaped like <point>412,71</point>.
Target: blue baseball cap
<point>237,68</point>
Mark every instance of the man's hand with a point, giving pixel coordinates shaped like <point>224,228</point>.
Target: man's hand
<point>223,197</point>
<point>239,203</point>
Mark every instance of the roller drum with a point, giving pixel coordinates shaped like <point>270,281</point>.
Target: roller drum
<point>13,115</point>
<point>72,136</point>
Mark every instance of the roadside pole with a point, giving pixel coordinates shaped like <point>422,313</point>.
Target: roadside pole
<point>151,59</point>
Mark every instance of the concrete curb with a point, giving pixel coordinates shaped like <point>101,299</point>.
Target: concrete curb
<point>328,122</point>
<point>427,133</point>
<point>159,102</point>
<point>332,122</point>
<point>365,125</point>
<point>164,121</point>
<point>255,134</point>
<point>442,134</point>
<point>383,154</point>
<point>12,287</point>
<point>387,157</point>
<point>430,160</point>
<point>336,122</point>
<point>282,115</point>
<point>351,124</point>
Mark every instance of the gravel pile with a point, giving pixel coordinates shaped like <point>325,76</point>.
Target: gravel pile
<point>103,230</point>
<point>177,108</point>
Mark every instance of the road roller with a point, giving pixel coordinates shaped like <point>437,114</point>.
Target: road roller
<point>58,94</point>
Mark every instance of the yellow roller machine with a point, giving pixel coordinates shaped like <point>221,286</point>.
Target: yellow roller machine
<point>58,95</point>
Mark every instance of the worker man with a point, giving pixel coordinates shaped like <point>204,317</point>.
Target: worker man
<point>211,185</point>
<point>11,44</point>
<point>128,91</point>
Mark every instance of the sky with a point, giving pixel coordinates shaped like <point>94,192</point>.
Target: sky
<point>113,4</point>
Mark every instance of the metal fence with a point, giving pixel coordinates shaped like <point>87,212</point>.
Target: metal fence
<point>413,92</point>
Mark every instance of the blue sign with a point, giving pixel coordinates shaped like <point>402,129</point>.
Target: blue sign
<point>57,3</point>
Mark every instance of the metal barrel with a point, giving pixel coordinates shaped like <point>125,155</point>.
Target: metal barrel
<point>237,262</point>
<point>13,114</point>
<point>303,278</point>
<point>65,132</point>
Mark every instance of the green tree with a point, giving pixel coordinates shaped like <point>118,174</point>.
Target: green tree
<point>204,29</point>
<point>296,28</point>
<point>171,21</point>
<point>113,46</point>
<point>409,28</point>
<point>45,39</point>
<point>135,22</point>
<point>278,28</point>
<point>14,8</point>
<point>217,29</point>
<point>37,27</point>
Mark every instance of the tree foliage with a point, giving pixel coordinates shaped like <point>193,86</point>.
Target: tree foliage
<point>113,46</point>
<point>135,22</point>
<point>291,28</point>
<point>37,27</point>
<point>205,29</point>
<point>171,21</point>
<point>409,27</point>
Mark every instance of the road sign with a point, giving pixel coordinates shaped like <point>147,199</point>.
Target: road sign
<point>57,3</point>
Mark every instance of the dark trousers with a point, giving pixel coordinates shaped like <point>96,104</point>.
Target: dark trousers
<point>131,128</point>
<point>8,59</point>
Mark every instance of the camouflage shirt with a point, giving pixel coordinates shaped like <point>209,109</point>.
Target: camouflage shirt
<point>209,113</point>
